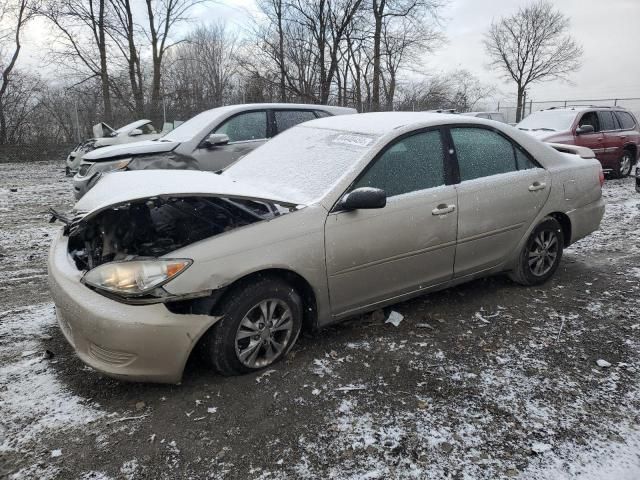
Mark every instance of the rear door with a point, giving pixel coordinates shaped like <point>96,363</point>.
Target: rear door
<point>377,255</point>
<point>612,142</point>
<point>246,132</point>
<point>501,191</point>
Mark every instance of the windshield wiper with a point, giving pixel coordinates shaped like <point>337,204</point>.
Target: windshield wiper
<point>544,129</point>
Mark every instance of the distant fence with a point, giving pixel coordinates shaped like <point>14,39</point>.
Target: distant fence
<point>631,104</point>
<point>34,152</point>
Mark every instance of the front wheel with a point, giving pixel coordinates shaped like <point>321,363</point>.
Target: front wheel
<point>541,254</point>
<point>261,322</point>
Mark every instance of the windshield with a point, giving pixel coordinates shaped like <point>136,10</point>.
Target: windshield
<point>195,126</point>
<point>552,120</point>
<point>302,164</point>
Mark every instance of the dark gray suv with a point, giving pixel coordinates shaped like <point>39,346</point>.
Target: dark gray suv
<point>210,141</point>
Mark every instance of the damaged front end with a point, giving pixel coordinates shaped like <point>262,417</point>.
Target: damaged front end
<point>122,248</point>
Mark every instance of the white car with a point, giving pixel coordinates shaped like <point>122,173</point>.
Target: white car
<point>104,135</point>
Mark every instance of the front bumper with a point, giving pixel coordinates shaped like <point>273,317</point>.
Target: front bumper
<point>82,185</point>
<point>129,342</point>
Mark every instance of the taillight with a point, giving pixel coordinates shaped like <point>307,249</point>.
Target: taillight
<point>601,177</point>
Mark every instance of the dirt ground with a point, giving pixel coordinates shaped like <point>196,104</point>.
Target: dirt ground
<point>487,380</point>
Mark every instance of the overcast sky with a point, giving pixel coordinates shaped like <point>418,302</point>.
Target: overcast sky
<point>607,30</point>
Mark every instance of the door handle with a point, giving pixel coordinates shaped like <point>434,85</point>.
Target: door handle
<point>443,209</point>
<point>535,186</point>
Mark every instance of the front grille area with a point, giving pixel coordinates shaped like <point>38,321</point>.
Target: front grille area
<point>111,357</point>
<point>84,169</point>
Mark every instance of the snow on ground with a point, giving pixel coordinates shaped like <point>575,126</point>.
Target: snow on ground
<point>33,401</point>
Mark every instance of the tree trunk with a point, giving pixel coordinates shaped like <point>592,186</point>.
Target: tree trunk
<point>3,124</point>
<point>283,90</point>
<point>519,107</point>
<point>104,74</point>
<point>377,39</point>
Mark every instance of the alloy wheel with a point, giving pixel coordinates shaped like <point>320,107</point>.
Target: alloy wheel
<point>625,164</point>
<point>543,252</point>
<point>264,333</point>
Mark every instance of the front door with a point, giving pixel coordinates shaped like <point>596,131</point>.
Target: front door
<point>246,132</point>
<point>595,140</point>
<point>377,255</point>
<point>500,193</point>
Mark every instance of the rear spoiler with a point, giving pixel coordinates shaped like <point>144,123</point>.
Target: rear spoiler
<point>582,152</point>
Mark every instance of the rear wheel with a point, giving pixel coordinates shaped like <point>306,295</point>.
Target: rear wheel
<point>541,254</point>
<point>624,165</point>
<point>261,322</point>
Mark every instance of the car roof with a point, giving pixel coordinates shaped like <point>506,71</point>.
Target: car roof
<point>583,108</point>
<point>381,123</point>
<point>304,106</point>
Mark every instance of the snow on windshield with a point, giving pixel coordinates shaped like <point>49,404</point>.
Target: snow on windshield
<point>303,163</point>
<point>556,120</point>
<point>192,127</point>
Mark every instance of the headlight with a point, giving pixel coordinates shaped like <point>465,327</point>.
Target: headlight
<point>112,166</point>
<point>135,277</point>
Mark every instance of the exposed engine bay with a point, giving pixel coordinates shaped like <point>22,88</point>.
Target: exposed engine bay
<point>153,227</point>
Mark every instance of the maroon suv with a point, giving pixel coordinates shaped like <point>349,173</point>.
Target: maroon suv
<point>611,132</point>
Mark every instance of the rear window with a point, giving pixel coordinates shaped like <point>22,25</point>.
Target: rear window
<point>286,119</point>
<point>626,120</point>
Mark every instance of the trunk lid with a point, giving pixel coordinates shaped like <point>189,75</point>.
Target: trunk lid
<point>103,130</point>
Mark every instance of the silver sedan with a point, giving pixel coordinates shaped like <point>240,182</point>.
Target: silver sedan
<point>330,219</point>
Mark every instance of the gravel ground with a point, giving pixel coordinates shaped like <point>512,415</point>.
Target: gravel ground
<point>484,381</point>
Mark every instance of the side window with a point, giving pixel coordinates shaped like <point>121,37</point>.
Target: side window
<point>498,117</point>
<point>607,121</point>
<point>523,161</point>
<point>245,126</point>
<point>626,120</point>
<point>322,114</point>
<point>148,128</point>
<point>484,115</point>
<point>482,153</point>
<point>411,164</point>
<point>290,118</point>
<point>590,118</point>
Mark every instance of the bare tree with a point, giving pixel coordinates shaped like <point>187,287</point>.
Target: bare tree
<point>124,34</point>
<point>162,17</point>
<point>533,45</point>
<point>83,25</point>
<point>415,11</point>
<point>16,15</point>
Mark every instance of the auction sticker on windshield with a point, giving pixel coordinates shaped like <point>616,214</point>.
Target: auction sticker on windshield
<point>357,140</point>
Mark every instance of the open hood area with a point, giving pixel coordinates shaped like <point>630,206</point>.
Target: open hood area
<point>127,149</point>
<point>152,213</point>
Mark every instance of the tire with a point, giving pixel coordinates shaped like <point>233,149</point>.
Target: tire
<point>624,165</point>
<point>545,244</point>
<point>242,341</point>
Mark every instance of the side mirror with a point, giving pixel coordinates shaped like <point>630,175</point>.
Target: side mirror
<point>364,198</point>
<point>585,129</point>
<point>135,132</point>
<point>216,139</point>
